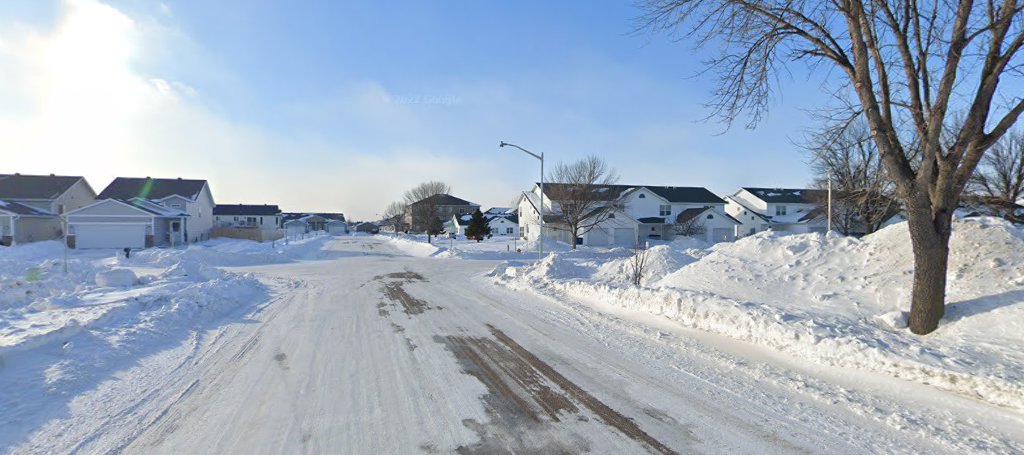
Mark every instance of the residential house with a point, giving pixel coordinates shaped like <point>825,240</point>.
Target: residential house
<point>247,216</point>
<point>296,227</point>
<point>31,205</point>
<point>790,210</point>
<point>144,212</point>
<point>445,206</point>
<point>501,223</point>
<point>315,221</point>
<point>640,213</point>
<point>367,227</point>
<point>337,227</point>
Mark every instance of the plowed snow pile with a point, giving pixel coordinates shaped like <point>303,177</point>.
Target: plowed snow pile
<point>833,300</point>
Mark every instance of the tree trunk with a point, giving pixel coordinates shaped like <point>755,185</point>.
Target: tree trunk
<point>929,237</point>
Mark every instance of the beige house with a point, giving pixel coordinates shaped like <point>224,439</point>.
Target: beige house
<point>31,205</point>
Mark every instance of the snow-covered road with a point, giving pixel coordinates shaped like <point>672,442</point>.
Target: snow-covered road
<point>375,351</point>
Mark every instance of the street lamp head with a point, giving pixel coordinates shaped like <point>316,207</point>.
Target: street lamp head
<point>502,144</point>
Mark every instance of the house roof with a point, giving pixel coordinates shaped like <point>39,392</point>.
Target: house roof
<point>788,195</point>
<point>22,209</point>
<point>327,216</point>
<point>17,186</point>
<point>678,194</point>
<point>445,199</point>
<point>125,188</point>
<point>689,214</point>
<point>748,209</point>
<point>652,220</point>
<point>156,209</point>
<point>497,211</point>
<point>246,209</point>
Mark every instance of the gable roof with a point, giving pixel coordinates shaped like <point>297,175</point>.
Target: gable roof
<point>17,208</point>
<point>17,186</point>
<point>445,199</point>
<point>788,195</point>
<point>689,214</point>
<point>246,209</point>
<point>297,215</point>
<point>749,210</point>
<point>676,194</point>
<point>125,188</point>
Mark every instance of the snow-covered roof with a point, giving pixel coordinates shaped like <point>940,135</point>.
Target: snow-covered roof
<point>787,195</point>
<point>17,208</point>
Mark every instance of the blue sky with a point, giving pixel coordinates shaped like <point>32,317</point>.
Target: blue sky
<point>341,106</point>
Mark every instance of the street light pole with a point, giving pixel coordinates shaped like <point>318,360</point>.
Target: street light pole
<point>540,244</point>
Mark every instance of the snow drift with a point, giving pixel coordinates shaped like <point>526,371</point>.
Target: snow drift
<point>834,300</point>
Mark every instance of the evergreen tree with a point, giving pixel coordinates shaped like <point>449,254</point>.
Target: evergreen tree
<point>434,227</point>
<point>478,228</point>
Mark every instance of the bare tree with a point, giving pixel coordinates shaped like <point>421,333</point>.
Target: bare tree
<point>583,195</point>
<point>689,226</point>
<point>638,264</point>
<point>999,179</point>
<point>907,64</point>
<point>863,195</point>
<point>394,214</point>
<point>421,207</point>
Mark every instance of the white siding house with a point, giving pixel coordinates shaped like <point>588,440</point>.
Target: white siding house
<point>642,213</point>
<point>794,210</point>
<point>247,216</point>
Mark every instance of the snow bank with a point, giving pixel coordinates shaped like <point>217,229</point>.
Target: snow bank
<point>833,300</point>
<point>116,278</point>
<point>232,253</point>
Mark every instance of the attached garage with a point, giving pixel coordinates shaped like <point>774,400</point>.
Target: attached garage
<point>597,237</point>
<point>723,235</point>
<point>110,223</point>
<point>625,237</point>
<point>110,236</point>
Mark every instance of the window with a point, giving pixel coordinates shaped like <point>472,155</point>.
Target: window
<point>780,210</point>
<point>642,196</point>
<point>250,220</point>
<point>508,230</point>
<point>711,217</point>
<point>236,218</point>
<point>664,210</point>
<point>611,216</point>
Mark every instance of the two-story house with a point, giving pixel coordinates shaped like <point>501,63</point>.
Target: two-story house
<point>441,206</point>
<point>795,210</point>
<point>144,212</point>
<point>31,205</point>
<point>247,216</point>
<point>640,213</point>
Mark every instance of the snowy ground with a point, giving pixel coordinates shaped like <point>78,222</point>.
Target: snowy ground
<point>831,300</point>
<point>369,344</point>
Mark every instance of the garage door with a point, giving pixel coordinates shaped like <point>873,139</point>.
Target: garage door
<point>597,237</point>
<point>110,236</point>
<point>722,235</point>
<point>624,237</point>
